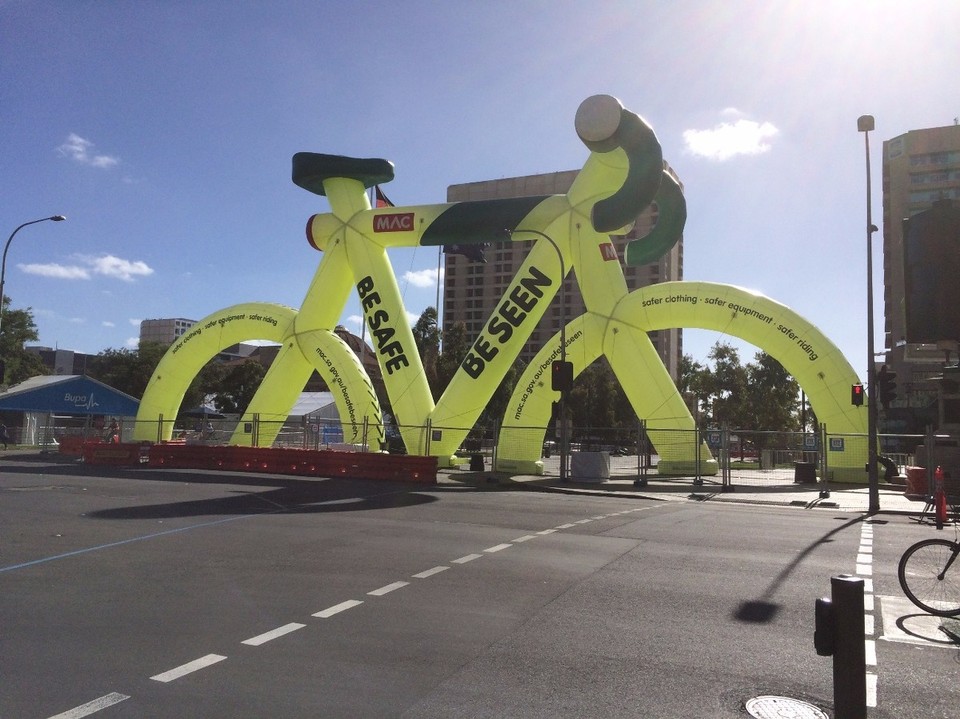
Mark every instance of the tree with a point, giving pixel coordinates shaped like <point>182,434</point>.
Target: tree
<point>125,369</point>
<point>456,344</point>
<point>237,387</point>
<point>727,388</point>
<point>773,395</point>
<point>426,335</point>
<point>18,328</point>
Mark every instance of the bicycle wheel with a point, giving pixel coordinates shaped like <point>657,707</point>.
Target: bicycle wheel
<point>930,577</point>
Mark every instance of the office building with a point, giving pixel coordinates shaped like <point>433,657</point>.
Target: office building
<point>472,290</point>
<point>164,331</point>
<point>920,168</point>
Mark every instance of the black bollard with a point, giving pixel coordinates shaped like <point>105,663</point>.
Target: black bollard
<point>840,633</point>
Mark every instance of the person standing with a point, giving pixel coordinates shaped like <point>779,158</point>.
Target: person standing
<point>4,437</point>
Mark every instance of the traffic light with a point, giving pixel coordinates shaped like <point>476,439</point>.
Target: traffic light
<point>886,386</point>
<point>856,395</point>
<point>561,376</point>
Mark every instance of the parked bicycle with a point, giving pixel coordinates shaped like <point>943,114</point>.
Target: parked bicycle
<point>930,575</point>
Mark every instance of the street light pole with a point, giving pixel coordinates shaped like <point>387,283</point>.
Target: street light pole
<point>3,265</point>
<point>865,124</point>
<point>563,347</point>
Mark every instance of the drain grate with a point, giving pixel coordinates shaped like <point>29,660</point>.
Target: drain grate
<point>771,707</point>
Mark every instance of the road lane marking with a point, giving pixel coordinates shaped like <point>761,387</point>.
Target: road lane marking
<point>564,526</point>
<point>120,543</point>
<point>272,634</point>
<point>337,608</point>
<point>871,690</point>
<point>583,521</point>
<point>524,538</point>
<point>497,548</point>
<point>387,589</point>
<point>468,558</point>
<point>546,531</point>
<point>188,668</point>
<point>107,700</point>
<point>431,572</point>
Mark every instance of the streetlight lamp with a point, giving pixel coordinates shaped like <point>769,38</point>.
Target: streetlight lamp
<point>563,346</point>
<point>865,124</point>
<point>3,266</point>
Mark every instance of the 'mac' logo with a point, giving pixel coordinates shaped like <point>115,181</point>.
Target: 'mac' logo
<point>608,251</point>
<point>402,222</point>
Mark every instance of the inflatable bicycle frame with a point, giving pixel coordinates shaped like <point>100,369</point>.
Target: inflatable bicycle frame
<point>622,175</point>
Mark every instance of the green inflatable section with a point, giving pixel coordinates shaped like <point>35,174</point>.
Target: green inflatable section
<point>815,362</point>
<point>187,356</point>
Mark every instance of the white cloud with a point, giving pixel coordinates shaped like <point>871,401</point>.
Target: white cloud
<point>135,321</point>
<point>132,342</point>
<point>106,265</point>
<point>79,150</point>
<point>729,139</point>
<point>121,269</point>
<point>107,323</point>
<point>421,278</point>
<point>60,272</point>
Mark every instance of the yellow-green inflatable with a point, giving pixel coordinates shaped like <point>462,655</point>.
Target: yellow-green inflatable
<point>622,175</point>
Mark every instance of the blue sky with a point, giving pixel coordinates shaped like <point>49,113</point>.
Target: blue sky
<point>163,130</point>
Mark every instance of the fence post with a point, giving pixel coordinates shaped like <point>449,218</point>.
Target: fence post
<point>641,480</point>
<point>824,476</point>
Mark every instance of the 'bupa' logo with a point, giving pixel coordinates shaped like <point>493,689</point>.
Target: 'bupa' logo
<point>400,222</point>
<point>608,251</point>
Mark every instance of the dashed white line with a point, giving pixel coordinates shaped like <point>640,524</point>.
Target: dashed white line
<point>547,531</point>
<point>871,653</point>
<point>272,634</point>
<point>430,572</point>
<point>864,570</point>
<point>497,548</point>
<point>107,700</point>
<point>524,538</point>
<point>337,608</point>
<point>188,668</point>
<point>564,526</point>
<point>583,521</point>
<point>864,558</point>
<point>468,558</point>
<point>871,690</point>
<point>387,589</point>
<point>868,624</point>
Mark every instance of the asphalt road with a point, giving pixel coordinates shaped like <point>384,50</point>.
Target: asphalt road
<point>147,593</point>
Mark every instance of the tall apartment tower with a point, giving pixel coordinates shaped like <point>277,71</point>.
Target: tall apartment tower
<point>920,167</point>
<point>472,290</point>
<point>165,331</point>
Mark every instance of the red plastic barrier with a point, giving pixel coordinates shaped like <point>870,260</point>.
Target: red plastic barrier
<point>301,462</point>
<point>97,452</point>
<point>72,444</point>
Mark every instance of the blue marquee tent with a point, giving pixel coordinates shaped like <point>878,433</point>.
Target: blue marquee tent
<point>68,395</point>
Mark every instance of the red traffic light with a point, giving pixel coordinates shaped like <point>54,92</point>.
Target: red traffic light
<point>856,395</point>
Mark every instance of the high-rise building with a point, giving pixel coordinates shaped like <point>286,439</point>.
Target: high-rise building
<point>165,331</point>
<point>920,168</point>
<point>472,290</point>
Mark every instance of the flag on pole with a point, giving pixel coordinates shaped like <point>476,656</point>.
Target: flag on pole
<point>473,252</point>
<point>381,199</point>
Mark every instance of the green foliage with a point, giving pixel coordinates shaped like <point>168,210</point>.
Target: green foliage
<point>125,369</point>
<point>761,395</point>
<point>17,329</point>
<point>237,386</point>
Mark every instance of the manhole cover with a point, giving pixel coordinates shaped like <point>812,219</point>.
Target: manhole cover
<point>770,707</point>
